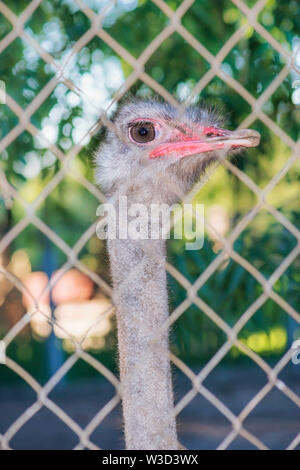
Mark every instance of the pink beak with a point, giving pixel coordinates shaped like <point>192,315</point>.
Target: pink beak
<point>185,145</point>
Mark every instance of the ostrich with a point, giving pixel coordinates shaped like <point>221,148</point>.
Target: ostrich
<point>152,154</point>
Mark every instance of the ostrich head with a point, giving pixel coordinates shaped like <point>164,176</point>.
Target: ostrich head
<point>157,154</point>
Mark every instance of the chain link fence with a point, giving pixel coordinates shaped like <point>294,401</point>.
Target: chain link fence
<point>9,194</point>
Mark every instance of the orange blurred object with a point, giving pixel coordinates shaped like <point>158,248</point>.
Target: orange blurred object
<point>73,286</point>
<point>36,283</point>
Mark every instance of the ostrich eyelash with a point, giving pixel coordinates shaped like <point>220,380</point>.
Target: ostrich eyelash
<point>139,123</point>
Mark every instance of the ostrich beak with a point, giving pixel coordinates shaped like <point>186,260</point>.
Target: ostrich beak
<point>185,145</point>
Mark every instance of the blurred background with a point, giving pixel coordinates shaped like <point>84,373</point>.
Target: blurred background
<point>62,119</point>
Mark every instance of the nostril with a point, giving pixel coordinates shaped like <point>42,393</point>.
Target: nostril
<point>250,134</point>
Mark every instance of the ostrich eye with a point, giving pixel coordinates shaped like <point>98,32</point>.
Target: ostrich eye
<point>142,132</point>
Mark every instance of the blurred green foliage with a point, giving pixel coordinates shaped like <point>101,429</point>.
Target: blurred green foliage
<point>70,209</point>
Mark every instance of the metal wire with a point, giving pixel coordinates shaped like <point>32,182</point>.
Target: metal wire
<point>30,217</point>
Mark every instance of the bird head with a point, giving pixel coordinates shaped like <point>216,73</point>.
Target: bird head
<point>156,152</point>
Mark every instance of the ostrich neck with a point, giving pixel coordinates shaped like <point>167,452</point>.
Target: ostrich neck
<point>140,295</point>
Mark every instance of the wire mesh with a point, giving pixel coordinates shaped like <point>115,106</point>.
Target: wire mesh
<point>9,193</point>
